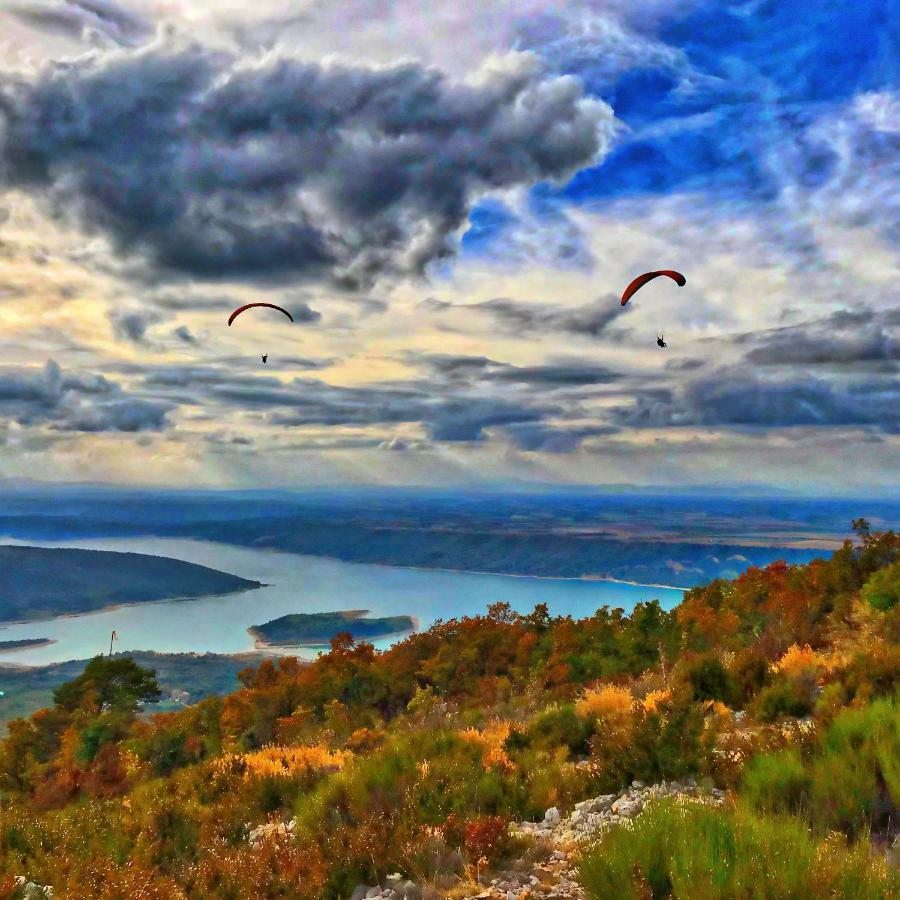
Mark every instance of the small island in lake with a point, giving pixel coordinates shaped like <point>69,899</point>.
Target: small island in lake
<point>41,583</point>
<point>25,642</point>
<point>314,629</point>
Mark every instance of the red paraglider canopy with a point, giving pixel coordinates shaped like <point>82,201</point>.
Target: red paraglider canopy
<point>641,280</point>
<point>240,309</point>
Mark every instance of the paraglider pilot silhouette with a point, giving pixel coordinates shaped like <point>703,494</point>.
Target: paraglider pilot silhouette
<point>241,309</point>
<point>659,342</point>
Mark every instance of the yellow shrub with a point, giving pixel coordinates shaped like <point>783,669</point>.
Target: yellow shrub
<point>491,738</point>
<point>608,702</point>
<point>281,762</point>
<point>656,699</point>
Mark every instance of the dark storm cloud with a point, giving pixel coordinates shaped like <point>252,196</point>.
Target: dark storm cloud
<point>544,438</point>
<point>464,420</point>
<point>73,18</point>
<point>685,365</point>
<point>75,402</point>
<point>740,398</point>
<point>587,320</point>
<point>482,369</point>
<point>218,167</point>
<point>183,333</point>
<point>451,367</point>
<point>555,376</point>
<point>176,302</point>
<point>120,415</point>
<point>844,338</point>
<point>302,312</point>
<point>131,325</point>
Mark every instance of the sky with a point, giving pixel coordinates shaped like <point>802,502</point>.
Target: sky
<point>450,202</point>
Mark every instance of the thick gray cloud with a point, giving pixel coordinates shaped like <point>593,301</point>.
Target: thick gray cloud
<point>222,167</point>
<point>844,338</point>
<point>738,397</point>
<point>445,414</point>
<point>74,18</point>
<point>587,320</point>
<point>539,437</point>
<point>75,402</point>
<point>473,369</point>
<point>465,419</point>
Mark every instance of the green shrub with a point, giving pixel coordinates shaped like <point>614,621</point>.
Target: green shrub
<point>165,751</point>
<point>882,590</point>
<point>710,680</point>
<point>856,775</point>
<point>785,697</point>
<point>874,674</point>
<point>851,780</point>
<point>560,726</point>
<point>666,746</point>
<point>776,782</point>
<point>749,676</point>
<point>699,852</point>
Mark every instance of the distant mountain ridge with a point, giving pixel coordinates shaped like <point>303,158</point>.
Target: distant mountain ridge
<point>40,583</point>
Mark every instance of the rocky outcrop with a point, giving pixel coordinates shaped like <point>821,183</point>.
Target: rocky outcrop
<point>33,891</point>
<point>268,831</point>
<point>556,877</point>
<point>608,810</point>
<point>396,887</point>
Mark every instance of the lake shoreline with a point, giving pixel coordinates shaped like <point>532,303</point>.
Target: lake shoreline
<point>574,578</point>
<point>407,568</point>
<point>251,657</point>
<point>298,584</point>
<point>126,605</point>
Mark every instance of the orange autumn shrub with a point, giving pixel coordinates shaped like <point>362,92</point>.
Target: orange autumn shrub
<point>609,702</point>
<point>798,659</point>
<point>364,740</point>
<point>492,739</point>
<point>281,762</point>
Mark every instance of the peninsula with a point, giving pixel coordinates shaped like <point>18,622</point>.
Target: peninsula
<point>41,583</point>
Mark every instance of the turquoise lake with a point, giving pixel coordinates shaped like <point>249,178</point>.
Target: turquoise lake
<point>297,584</point>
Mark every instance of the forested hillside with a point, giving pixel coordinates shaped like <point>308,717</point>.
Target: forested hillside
<point>772,696</point>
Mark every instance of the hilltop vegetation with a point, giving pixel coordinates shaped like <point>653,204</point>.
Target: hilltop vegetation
<point>40,583</point>
<point>779,687</point>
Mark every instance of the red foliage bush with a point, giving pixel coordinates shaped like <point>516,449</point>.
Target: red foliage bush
<point>486,836</point>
